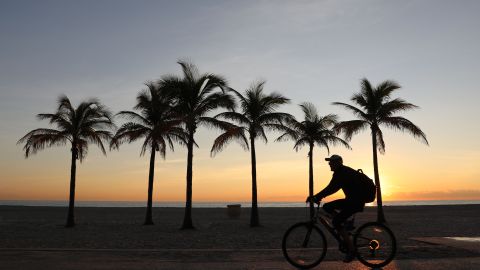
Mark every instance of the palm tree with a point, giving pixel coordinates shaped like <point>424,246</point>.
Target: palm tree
<point>90,122</point>
<point>376,108</point>
<point>196,95</point>
<point>157,124</point>
<point>314,129</point>
<point>257,113</point>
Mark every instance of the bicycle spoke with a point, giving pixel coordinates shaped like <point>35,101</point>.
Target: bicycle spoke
<point>307,237</point>
<point>375,244</point>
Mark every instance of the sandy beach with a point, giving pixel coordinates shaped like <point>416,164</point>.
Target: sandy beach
<point>121,228</point>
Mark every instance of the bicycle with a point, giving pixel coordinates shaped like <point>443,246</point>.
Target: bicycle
<point>304,244</point>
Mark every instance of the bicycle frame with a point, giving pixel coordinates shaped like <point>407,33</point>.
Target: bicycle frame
<point>317,218</point>
<point>332,230</point>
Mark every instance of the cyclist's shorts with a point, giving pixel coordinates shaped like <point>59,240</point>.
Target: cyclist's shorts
<point>346,207</point>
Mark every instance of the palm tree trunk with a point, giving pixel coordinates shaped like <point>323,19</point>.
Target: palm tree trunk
<point>254,220</point>
<point>380,215</point>
<point>187,220</point>
<point>310,179</point>
<point>71,202</point>
<point>148,218</point>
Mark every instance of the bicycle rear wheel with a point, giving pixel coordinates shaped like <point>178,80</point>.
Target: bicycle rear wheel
<point>304,245</point>
<point>376,245</point>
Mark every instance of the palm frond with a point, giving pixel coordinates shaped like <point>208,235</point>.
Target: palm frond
<point>134,116</point>
<point>385,89</point>
<point>171,84</point>
<point>402,124</point>
<point>64,105</point>
<point>277,127</point>
<point>380,141</point>
<point>350,128</point>
<point>234,133</point>
<point>238,95</point>
<point>323,143</point>
<point>274,100</point>
<point>190,71</point>
<point>215,123</point>
<point>38,139</point>
<point>393,106</point>
<point>356,111</point>
<point>147,143</point>
<point>38,132</point>
<point>334,140</point>
<point>161,146</point>
<point>129,132</point>
<point>260,132</point>
<point>274,117</point>
<point>360,100</point>
<point>214,101</point>
<point>209,82</point>
<point>367,90</point>
<point>289,134</point>
<point>82,148</point>
<point>328,120</point>
<point>59,119</point>
<point>96,138</point>
<point>234,116</point>
<point>300,143</point>
<point>309,111</point>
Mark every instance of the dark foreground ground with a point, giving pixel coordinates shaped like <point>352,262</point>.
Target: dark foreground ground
<point>113,238</point>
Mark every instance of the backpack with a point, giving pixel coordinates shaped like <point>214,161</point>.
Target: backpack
<point>369,188</point>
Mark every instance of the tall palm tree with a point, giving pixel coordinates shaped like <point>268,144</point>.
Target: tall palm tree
<point>90,122</point>
<point>196,95</point>
<point>157,124</point>
<point>258,112</point>
<point>377,108</point>
<point>314,129</point>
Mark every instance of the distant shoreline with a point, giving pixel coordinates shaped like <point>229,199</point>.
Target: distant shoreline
<point>48,203</point>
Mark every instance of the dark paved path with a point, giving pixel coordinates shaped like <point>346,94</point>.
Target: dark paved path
<point>194,259</point>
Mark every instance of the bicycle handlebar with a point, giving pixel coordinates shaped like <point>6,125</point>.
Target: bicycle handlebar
<point>312,201</point>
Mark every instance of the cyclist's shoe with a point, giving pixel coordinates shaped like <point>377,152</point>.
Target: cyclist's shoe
<point>349,257</point>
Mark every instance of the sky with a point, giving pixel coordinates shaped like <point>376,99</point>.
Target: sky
<point>316,51</point>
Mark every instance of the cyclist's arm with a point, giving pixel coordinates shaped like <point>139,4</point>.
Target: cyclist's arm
<point>331,188</point>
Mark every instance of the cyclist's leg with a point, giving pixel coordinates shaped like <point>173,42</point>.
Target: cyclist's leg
<point>338,222</point>
<point>334,207</point>
<point>347,209</point>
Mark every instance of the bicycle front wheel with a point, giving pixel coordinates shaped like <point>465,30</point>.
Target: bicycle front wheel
<point>376,245</point>
<point>304,245</point>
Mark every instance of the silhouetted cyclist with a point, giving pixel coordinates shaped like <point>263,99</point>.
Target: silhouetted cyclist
<point>348,180</point>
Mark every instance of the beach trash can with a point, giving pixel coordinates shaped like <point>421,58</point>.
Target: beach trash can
<point>233,210</point>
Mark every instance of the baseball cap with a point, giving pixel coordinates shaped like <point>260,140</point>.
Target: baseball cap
<point>334,158</point>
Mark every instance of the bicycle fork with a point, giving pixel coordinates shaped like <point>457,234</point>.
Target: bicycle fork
<point>307,236</point>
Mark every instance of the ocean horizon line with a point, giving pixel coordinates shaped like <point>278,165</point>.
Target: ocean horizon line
<point>215,204</point>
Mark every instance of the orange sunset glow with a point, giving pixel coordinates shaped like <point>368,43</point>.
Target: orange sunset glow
<point>282,174</point>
